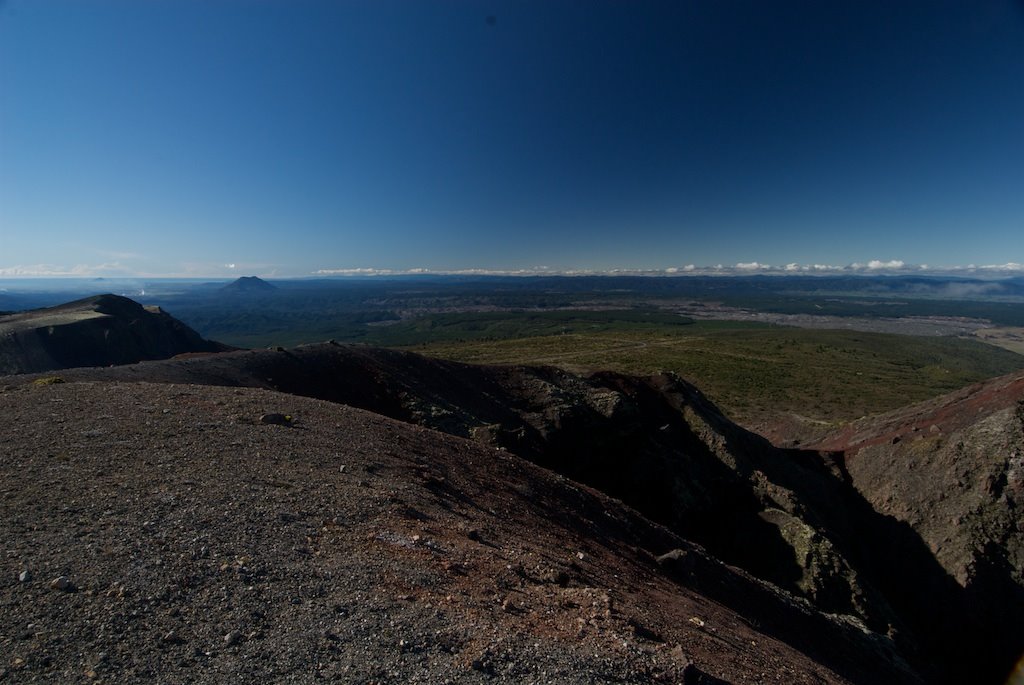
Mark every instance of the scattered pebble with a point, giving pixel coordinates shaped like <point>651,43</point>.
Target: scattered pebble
<point>172,638</point>
<point>64,584</point>
<point>25,576</point>
<point>232,638</point>
<point>276,419</point>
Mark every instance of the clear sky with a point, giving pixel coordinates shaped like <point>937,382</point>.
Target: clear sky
<point>290,137</point>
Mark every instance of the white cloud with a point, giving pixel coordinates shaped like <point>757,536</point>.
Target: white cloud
<point>752,266</point>
<point>361,271</point>
<point>876,264</point>
<point>1009,266</point>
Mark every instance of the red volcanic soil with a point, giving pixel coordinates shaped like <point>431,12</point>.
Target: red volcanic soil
<point>198,544</point>
<point>943,415</point>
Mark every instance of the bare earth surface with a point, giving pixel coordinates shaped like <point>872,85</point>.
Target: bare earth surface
<point>201,545</point>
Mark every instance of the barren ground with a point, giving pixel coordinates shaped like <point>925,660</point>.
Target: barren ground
<point>205,546</point>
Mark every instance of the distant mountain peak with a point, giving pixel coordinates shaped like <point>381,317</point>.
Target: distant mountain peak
<point>249,284</point>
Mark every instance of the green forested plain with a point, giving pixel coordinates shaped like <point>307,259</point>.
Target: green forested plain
<point>756,373</point>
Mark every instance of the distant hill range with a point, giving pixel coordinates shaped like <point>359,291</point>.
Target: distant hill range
<point>249,285</point>
<point>891,551</point>
<point>95,331</point>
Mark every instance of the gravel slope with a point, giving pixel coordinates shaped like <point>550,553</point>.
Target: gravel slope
<point>204,546</point>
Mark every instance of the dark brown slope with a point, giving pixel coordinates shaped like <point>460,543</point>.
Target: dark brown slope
<point>95,331</point>
<point>952,470</point>
<point>207,547</point>
<point>785,516</point>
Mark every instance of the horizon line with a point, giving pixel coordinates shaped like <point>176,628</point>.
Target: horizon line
<point>231,271</point>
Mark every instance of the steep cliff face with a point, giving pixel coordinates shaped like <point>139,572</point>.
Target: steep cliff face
<point>952,471</point>
<point>95,331</point>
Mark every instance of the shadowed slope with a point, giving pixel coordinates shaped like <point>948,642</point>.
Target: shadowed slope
<point>952,470</point>
<point>95,331</point>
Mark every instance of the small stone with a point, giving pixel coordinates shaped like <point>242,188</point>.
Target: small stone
<point>678,654</point>
<point>678,562</point>
<point>276,419</point>
<point>232,638</point>
<point>172,638</point>
<point>64,584</point>
<point>25,576</point>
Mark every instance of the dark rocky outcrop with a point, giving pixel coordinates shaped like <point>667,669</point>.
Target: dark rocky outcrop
<point>950,473</point>
<point>95,331</point>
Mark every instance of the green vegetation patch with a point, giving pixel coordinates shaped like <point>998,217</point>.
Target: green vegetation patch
<point>758,373</point>
<point>463,327</point>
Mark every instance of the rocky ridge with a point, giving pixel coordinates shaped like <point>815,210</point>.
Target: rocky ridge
<point>95,331</point>
<point>952,470</point>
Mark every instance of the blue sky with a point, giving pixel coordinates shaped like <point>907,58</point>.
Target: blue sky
<point>179,137</point>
